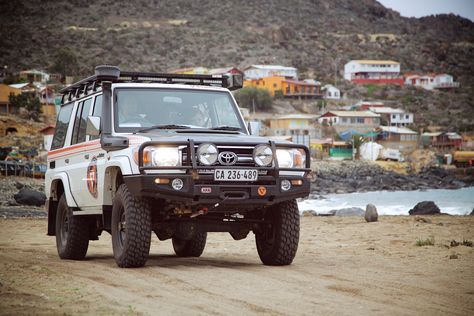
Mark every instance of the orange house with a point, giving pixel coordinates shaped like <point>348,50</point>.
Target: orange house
<point>5,92</point>
<point>288,87</point>
<point>271,84</point>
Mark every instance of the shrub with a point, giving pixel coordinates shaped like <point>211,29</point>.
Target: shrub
<point>425,242</point>
<point>250,96</point>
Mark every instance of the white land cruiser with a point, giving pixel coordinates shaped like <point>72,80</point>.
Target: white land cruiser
<point>136,153</point>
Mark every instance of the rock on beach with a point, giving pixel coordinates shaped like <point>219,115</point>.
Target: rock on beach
<point>371,214</point>
<point>425,208</point>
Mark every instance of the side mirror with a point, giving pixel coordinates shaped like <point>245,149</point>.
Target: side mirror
<point>93,126</point>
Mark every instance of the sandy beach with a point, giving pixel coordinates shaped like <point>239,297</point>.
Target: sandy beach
<point>344,266</point>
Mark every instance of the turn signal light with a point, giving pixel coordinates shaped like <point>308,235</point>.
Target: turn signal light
<point>162,181</point>
<point>297,182</point>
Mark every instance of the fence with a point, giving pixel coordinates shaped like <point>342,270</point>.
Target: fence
<point>27,169</point>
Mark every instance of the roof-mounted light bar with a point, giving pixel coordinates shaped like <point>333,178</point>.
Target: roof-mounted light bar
<point>113,74</point>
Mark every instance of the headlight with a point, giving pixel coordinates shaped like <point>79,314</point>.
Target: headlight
<point>159,156</point>
<point>207,154</point>
<point>263,155</point>
<point>291,158</point>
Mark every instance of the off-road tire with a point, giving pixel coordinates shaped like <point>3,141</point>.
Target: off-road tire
<point>131,229</point>
<point>277,244</point>
<point>72,232</point>
<point>190,248</point>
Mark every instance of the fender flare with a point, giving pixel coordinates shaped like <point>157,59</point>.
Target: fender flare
<point>64,178</point>
<point>123,162</point>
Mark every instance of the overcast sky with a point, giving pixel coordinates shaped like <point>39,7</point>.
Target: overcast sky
<point>418,8</point>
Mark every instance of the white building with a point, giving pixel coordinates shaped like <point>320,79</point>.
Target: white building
<point>361,121</point>
<point>373,71</point>
<point>432,81</point>
<point>394,117</point>
<point>331,92</point>
<point>261,71</point>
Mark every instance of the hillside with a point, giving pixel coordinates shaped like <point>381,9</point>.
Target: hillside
<point>312,35</point>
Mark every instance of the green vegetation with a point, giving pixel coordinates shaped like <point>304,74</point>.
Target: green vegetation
<point>65,63</point>
<point>251,97</point>
<point>430,241</point>
<point>30,103</point>
<point>357,141</point>
<point>371,88</point>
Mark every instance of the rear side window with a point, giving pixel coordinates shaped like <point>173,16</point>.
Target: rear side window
<point>61,126</point>
<point>79,133</point>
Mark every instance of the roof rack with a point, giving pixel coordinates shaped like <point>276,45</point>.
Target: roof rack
<point>112,73</point>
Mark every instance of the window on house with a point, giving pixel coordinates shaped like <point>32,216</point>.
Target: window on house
<point>344,120</point>
<point>360,120</point>
<point>407,117</point>
<point>274,85</point>
<point>353,120</point>
<point>329,93</point>
<point>393,116</point>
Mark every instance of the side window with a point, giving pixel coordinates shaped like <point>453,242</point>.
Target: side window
<point>79,132</point>
<point>81,137</point>
<point>97,112</point>
<point>75,130</point>
<point>62,124</point>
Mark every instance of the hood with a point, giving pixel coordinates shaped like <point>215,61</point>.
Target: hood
<point>183,136</point>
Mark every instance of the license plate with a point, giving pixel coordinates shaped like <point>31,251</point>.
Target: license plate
<point>235,175</point>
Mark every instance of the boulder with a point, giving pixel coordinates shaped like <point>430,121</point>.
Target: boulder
<point>350,211</point>
<point>371,214</point>
<point>425,208</point>
<point>30,197</point>
<point>309,213</point>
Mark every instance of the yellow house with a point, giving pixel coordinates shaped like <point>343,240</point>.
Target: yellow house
<point>5,92</point>
<point>288,87</point>
<point>293,124</point>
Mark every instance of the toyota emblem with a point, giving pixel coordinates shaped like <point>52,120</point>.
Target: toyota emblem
<point>227,158</point>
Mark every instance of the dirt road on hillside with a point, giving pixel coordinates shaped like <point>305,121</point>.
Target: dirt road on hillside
<point>344,266</point>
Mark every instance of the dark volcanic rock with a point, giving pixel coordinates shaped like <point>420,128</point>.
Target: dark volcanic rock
<point>30,197</point>
<point>425,208</point>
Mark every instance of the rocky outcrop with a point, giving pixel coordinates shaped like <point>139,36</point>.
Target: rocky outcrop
<point>361,176</point>
<point>425,208</point>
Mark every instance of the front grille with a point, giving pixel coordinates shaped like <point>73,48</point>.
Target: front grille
<point>244,156</point>
<point>244,159</point>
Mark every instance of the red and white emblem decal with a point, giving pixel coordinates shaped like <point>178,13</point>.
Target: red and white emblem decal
<point>91,177</point>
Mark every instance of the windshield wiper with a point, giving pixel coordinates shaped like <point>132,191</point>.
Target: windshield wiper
<point>162,126</point>
<point>226,128</point>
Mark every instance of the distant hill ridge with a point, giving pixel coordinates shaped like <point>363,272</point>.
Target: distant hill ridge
<point>312,35</point>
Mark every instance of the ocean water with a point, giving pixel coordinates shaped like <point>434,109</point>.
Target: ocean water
<point>454,202</point>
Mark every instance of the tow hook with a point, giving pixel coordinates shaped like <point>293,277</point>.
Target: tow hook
<point>199,212</point>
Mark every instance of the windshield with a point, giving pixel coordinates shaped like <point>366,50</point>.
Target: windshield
<point>136,109</point>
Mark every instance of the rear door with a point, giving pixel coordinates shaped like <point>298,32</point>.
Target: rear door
<point>83,170</point>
